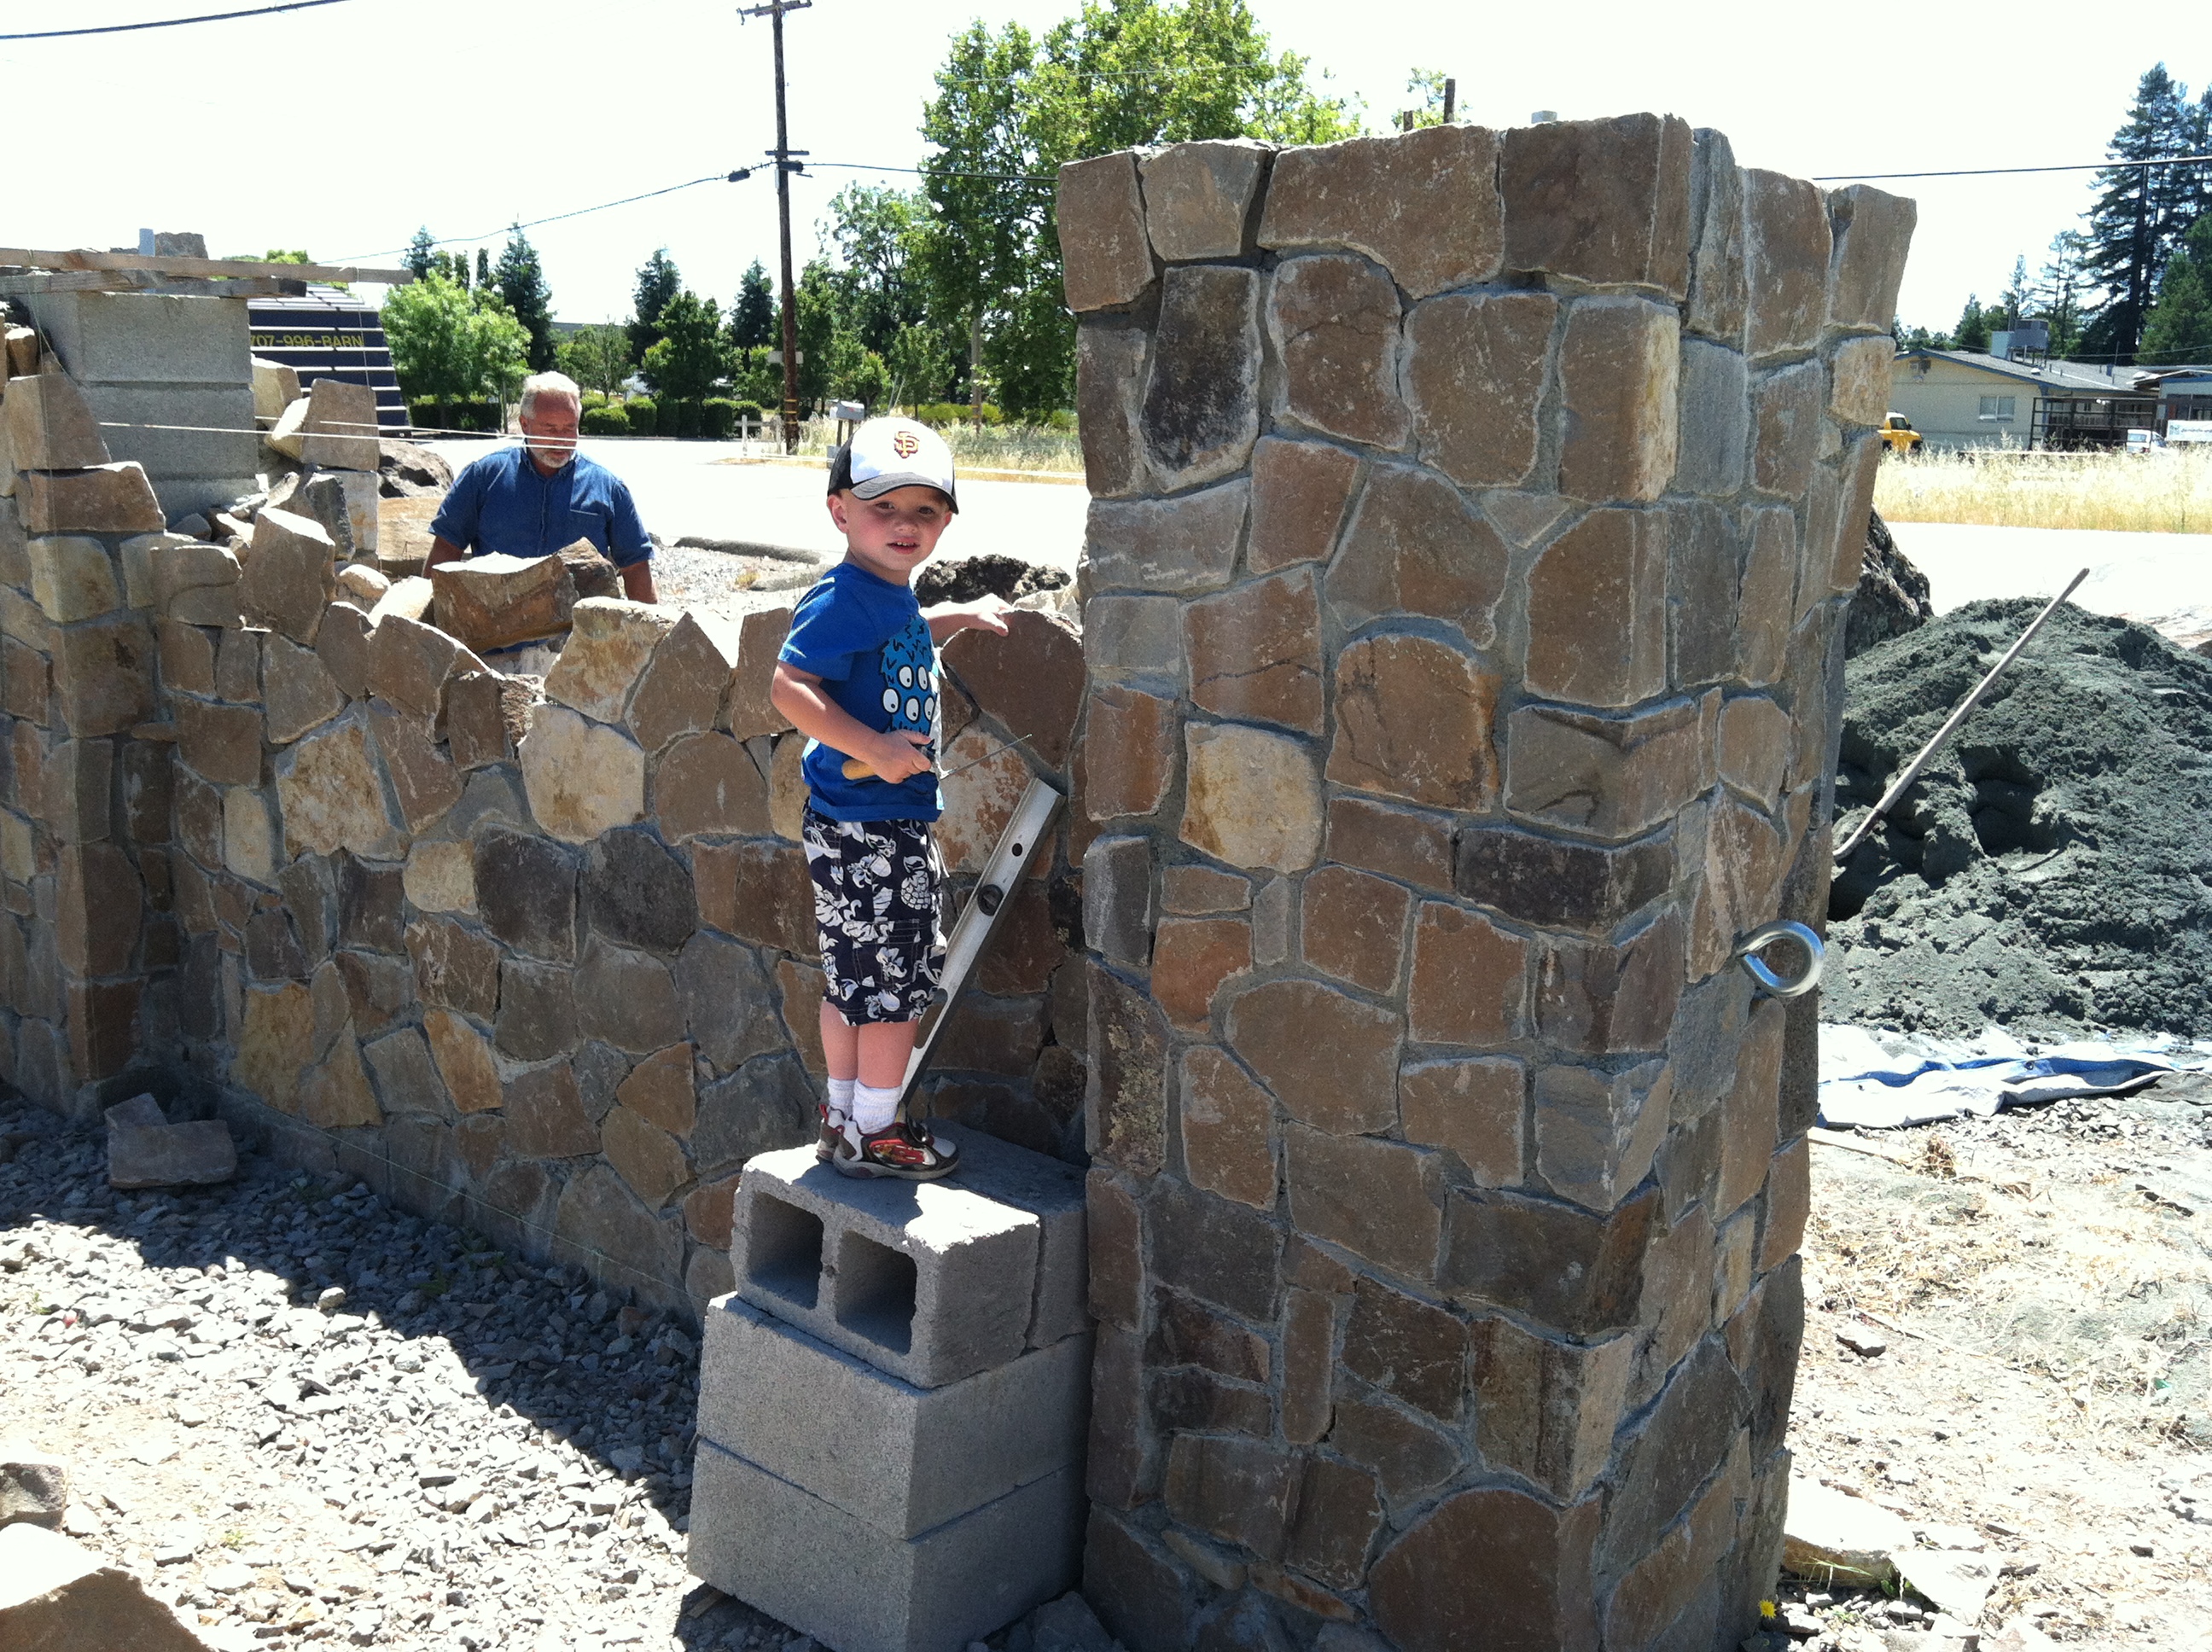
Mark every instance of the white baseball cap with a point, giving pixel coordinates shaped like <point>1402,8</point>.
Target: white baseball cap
<point>888,453</point>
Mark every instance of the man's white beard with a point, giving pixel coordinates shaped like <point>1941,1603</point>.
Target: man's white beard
<point>548,451</point>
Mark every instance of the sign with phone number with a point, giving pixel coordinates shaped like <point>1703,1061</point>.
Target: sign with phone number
<point>321,341</point>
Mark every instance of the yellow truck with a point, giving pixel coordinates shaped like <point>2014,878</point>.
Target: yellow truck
<point>1899,436</point>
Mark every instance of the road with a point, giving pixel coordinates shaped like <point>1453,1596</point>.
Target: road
<point>2164,580</point>
<point>686,487</point>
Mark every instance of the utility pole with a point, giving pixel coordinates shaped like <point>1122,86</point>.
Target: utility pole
<point>785,166</point>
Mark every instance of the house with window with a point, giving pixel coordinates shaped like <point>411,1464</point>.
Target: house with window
<point>1963,399</point>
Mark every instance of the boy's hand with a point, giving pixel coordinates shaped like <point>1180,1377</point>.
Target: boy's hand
<point>988,613</point>
<point>897,755</point>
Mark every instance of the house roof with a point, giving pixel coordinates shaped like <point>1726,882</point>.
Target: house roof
<point>2064,378</point>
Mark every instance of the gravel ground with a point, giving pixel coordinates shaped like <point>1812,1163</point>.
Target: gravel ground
<point>290,1408</point>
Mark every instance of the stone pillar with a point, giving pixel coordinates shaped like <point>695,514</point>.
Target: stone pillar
<point>1473,518</point>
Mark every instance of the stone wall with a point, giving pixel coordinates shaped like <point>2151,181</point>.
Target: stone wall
<point>1474,517</point>
<point>541,963</point>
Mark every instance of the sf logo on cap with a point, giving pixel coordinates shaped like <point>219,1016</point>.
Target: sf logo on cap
<point>906,444</point>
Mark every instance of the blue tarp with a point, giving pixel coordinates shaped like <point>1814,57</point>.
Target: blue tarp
<point>1874,1080</point>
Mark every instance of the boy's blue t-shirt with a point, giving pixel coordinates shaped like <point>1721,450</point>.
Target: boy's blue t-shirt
<point>866,640</point>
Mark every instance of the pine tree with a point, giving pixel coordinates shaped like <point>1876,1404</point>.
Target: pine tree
<point>2141,211</point>
<point>752,319</point>
<point>687,359</point>
<point>658,281</point>
<point>1972,333</point>
<point>420,256</point>
<point>483,269</point>
<point>2057,296</point>
<point>2179,328</point>
<point>521,281</point>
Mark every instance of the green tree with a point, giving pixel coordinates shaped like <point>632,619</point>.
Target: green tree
<point>658,281</point>
<point>2141,211</point>
<point>828,350</point>
<point>453,343</point>
<point>685,362</point>
<point>752,318</point>
<point>920,365</point>
<point>2180,326</point>
<point>520,278</point>
<point>483,266</point>
<point>1426,89</point>
<point>1972,333</point>
<point>598,358</point>
<point>2057,297</point>
<point>420,253</point>
<point>454,267</point>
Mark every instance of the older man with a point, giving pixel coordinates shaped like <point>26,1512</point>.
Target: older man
<point>542,496</point>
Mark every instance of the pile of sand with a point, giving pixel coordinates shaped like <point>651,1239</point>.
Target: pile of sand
<point>2051,870</point>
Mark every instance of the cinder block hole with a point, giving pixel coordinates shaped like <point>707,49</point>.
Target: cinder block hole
<point>783,1251</point>
<point>875,1292</point>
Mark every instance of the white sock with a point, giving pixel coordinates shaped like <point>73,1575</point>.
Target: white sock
<point>874,1109</point>
<point>841,1094</point>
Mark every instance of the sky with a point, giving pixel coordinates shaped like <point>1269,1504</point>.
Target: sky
<point>341,129</point>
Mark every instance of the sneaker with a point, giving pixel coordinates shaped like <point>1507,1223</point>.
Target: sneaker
<point>907,1152</point>
<point>832,1134</point>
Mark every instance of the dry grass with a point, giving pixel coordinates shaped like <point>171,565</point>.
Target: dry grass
<point>2167,492</point>
<point>995,447</point>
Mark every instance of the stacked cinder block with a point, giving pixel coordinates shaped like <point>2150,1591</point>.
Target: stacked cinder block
<point>83,780</point>
<point>892,1404</point>
<point>173,378</point>
<point>1473,518</point>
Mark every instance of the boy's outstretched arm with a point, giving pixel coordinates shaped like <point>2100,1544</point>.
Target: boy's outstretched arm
<point>948,619</point>
<point>894,754</point>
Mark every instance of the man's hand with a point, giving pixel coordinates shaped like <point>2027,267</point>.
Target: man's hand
<point>637,582</point>
<point>986,613</point>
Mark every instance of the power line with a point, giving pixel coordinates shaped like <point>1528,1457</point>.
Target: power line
<point>2000,172</point>
<point>171,22</point>
<point>935,172</point>
<point>739,176</point>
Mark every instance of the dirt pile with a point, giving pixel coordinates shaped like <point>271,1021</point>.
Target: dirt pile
<point>1892,594</point>
<point>2052,869</point>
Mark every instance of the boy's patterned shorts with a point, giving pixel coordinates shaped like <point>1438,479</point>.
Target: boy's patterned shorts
<point>876,885</point>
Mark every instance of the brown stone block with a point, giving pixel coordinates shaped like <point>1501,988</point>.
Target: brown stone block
<point>1111,358</point>
<point>1192,959</point>
<point>747,710</point>
<point>1715,420</point>
<point>1254,651</point>
<point>1353,927</point>
<point>1144,1598</point>
<point>1031,679</point>
<point>538,1011</point>
<point>1471,1107</point>
<point>1678,1302</point>
<point>409,663</point>
<point>1764,1340</point>
<point>1413,720</point>
<point>1685,1438</point>
<point>106,499</point>
<point>709,1212</point>
<point>72,578</point>
<point>1415,545</point>
<point>276,1041</point>
<point>626,999</point>
<point>1717,294</point>
<point>1118,907</point>
<point>423,779</point>
<point>1836,522</point>
<point>1396,842</point>
<point>1126,1099</point>
<point>1214,1249</point>
<point>1620,375</point>
<point>1131,737</point>
<point>659,1091</point>
<point>1115,1249</point>
<point>1859,379</point>
<point>1703,570</point>
<point>1754,747</point>
<point>545,1117</point>
<point>1873,231</point>
<point>1408,1457</point>
<point>220,743</point>
<point>27,680</point>
<point>1566,1268</point>
<point>1745,860</point>
<point>329,789</point>
<point>1406,1347</point>
<point>1333,320</point>
<point>1547,1410</point>
<point>490,601</point>
<point>336,1095</point>
<point>1237,1488</point>
<point>1611,777</point>
<point>1201,413</point>
<point>993,1035</point>
<point>1474,381</point>
<point>103,673</point>
<point>1764,611</point>
<point>1787,1204</point>
<point>644,1156</point>
<point>1308,1365</point>
<point>1025,949</point>
<point>759,892</point>
<point>1106,256</point>
<point>371,905</point>
<point>1604,998</point>
<point>342,644</point>
<point>102,1017</point>
<point>799,988</point>
<point>1252,799</point>
<point>1787,409</point>
<point>1277,1027</point>
<point>340,430</point>
<point>187,658</point>
<point>1752,1117</point>
<point>1660,1588</point>
<point>1597,1132</point>
<point>465,1062</point>
<point>1605,202</point>
<point>476,719</point>
<point>1185,543</point>
<point>1338,1515</point>
<point>287,577</point>
<point>1597,610</point>
<point>1227,1133</point>
<point>683,685</point>
<point>1186,1333</point>
<point>51,426</point>
<point>298,690</point>
<point>1424,205</point>
<point>707,784</point>
<point>1299,490</point>
<point>1469,979</point>
<point>526,891</point>
<point>980,799</point>
<point>1379,1200</point>
<point>76,791</point>
<point>1787,243</point>
<point>1199,197</point>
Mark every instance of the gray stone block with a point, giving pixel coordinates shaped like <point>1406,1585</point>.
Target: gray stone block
<point>857,1588</point>
<point>930,1281</point>
<point>200,448</point>
<point>903,1459</point>
<point>116,338</point>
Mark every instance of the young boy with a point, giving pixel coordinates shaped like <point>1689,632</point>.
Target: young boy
<point>858,677</point>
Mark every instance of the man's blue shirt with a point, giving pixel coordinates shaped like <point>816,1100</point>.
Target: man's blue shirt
<point>503,503</point>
